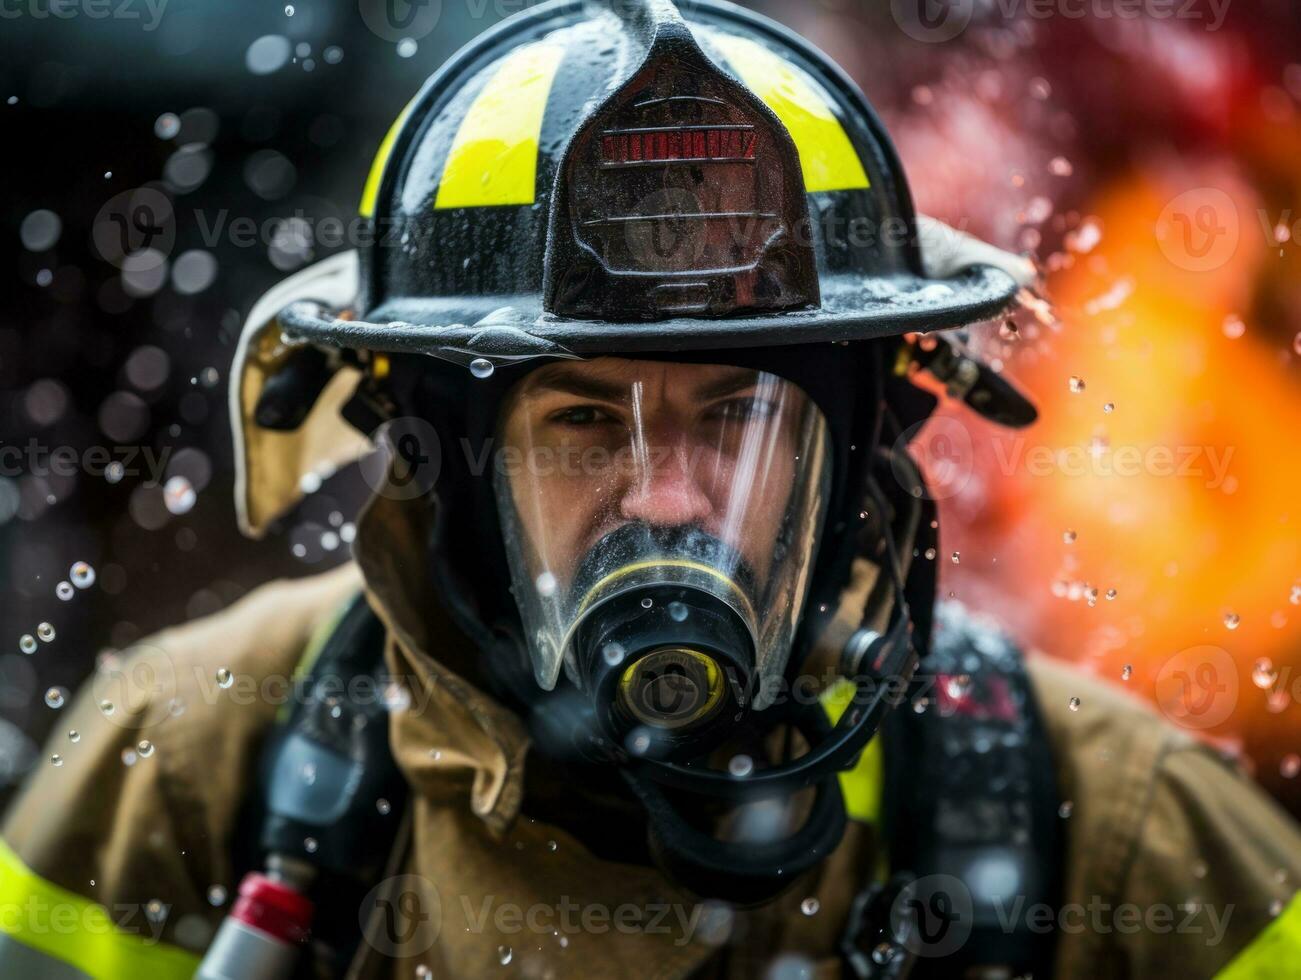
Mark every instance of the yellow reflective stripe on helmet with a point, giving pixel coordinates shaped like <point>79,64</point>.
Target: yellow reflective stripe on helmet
<point>828,158</point>
<point>494,157</point>
<point>1275,954</point>
<point>861,786</point>
<point>67,927</point>
<point>370,193</point>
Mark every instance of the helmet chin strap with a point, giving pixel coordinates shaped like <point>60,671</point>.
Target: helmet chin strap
<point>753,871</point>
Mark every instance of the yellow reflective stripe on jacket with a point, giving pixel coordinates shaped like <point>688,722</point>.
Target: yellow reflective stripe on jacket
<point>861,786</point>
<point>828,158</point>
<point>1273,955</point>
<point>68,927</point>
<point>370,193</point>
<point>494,157</point>
<point>312,652</point>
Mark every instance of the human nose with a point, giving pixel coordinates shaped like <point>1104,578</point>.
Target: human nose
<point>666,493</point>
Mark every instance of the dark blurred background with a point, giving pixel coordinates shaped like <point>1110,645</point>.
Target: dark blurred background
<point>1080,132</point>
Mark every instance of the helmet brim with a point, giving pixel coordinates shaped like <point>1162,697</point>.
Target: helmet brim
<point>503,329</point>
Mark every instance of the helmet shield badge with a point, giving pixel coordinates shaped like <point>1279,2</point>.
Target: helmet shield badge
<point>660,520</point>
<point>682,194</point>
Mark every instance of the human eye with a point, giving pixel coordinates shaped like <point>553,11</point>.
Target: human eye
<point>578,416</point>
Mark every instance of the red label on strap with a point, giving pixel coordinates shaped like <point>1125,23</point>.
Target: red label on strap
<point>274,908</point>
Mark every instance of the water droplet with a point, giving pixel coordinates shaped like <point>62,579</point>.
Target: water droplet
<point>310,845</point>
<point>1276,908</point>
<point>1075,704</point>
<point>1060,167</point>
<point>423,972</point>
<point>114,472</point>
<point>106,707</point>
<point>155,911</point>
<point>224,677</point>
<point>289,10</point>
<point>546,585</point>
<point>882,954</point>
<point>145,748</point>
<point>957,558</point>
<point>740,766</point>
<point>1200,869</point>
<point>678,611</point>
<point>1109,407</point>
<point>930,554</point>
<point>179,495</point>
<point>129,757</point>
<point>1233,326</point>
<point>1290,765</point>
<point>1232,620</point>
<point>56,697</point>
<point>647,602</point>
<point>217,896</point>
<point>64,591</point>
<point>308,773</point>
<point>27,643</point>
<point>1296,344</point>
<point>1111,593</point>
<point>74,736</point>
<point>56,760</point>
<point>1076,385</point>
<point>45,632</point>
<point>552,846</point>
<point>613,654</point>
<point>481,367</point>
<point>81,575</point>
<point>810,906</point>
<point>167,125</point>
<point>384,807</point>
<point>1068,537</point>
<point>1009,330</point>
<point>505,954</point>
<point>1066,809</point>
<point>1127,672</point>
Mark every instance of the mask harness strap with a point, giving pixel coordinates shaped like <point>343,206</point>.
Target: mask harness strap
<point>748,872</point>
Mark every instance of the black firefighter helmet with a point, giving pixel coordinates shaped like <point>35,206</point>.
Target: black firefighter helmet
<point>626,179</point>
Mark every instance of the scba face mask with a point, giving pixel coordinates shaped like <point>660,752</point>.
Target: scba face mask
<point>660,522</point>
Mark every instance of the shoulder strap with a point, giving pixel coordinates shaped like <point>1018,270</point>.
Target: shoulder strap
<point>971,812</point>
<point>326,765</point>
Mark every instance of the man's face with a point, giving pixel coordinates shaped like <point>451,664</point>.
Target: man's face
<point>594,445</point>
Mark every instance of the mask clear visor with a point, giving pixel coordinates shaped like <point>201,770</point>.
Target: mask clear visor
<point>618,478</point>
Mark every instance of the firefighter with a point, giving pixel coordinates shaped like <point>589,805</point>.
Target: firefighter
<point>638,669</point>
